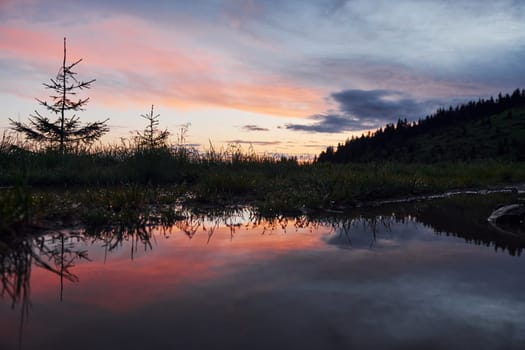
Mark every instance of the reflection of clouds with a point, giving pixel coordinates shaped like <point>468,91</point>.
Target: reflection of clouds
<point>278,281</point>
<point>381,232</point>
<point>214,249</point>
<point>446,302</point>
<point>424,308</point>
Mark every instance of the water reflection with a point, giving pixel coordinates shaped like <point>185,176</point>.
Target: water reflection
<point>58,252</point>
<point>466,217</point>
<point>231,255</point>
<point>348,231</point>
<point>113,238</point>
<point>54,253</point>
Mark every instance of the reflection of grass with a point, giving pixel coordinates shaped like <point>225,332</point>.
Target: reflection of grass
<point>461,216</point>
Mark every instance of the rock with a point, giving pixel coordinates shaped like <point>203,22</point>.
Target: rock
<point>509,214</point>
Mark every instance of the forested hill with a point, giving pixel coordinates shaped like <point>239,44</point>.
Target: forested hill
<point>486,129</point>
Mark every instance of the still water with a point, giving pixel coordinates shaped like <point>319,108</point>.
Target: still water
<point>433,276</point>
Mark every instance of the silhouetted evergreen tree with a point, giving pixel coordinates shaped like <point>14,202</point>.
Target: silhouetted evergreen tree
<point>64,131</point>
<point>152,137</point>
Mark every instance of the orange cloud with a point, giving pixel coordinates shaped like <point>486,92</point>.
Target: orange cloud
<point>272,97</point>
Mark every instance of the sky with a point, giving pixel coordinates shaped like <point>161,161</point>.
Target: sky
<point>282,76</point>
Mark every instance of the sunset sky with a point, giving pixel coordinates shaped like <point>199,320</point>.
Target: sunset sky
<point>289,76</point>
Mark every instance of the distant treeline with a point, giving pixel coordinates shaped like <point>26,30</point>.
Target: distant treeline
<point>488,128</point>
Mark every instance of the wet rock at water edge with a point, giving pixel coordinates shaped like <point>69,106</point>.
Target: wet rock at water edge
<point>509,214</point>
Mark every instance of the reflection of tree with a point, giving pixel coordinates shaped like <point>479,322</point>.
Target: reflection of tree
<point>466,217</point>
<point>15,270</point>
<point>460,216</point>
<point>56,254</point>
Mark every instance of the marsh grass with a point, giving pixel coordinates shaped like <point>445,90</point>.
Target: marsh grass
<point>123,184</point>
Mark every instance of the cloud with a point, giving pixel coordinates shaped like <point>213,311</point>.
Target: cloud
<point>252,127</point>
<point>258,143</point>
<point>138,64</point>
<point>269,57</point>
<point>328,123</point>
<point>367,109</point>
<point>378,104</point>
<point>315,145</point>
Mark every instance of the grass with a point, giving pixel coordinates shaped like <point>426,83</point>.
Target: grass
<point>123,185</point>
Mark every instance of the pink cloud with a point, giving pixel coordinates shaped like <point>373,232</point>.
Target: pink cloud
<point>136,63</point>
<point>27,43</point>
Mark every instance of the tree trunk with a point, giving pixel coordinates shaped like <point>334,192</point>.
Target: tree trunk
<point>62,117</point>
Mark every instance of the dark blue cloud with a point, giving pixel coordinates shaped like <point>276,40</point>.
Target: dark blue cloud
<point>329,123</point>
<point>367,109</point>
<point>378,104</point>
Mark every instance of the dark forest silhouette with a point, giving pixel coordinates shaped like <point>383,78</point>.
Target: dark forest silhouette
<point>420,140</point>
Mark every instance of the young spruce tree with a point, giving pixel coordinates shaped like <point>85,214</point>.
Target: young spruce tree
<point>65,131</point>
<point>152,138</point>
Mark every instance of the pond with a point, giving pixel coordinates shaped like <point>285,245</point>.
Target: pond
<point>431,275</point>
